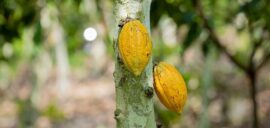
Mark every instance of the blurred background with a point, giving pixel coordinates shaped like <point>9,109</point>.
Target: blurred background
<point>56,62</point>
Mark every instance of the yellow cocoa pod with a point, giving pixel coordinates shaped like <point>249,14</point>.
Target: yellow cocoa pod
<point>135,46</point>
<point>170,86</point>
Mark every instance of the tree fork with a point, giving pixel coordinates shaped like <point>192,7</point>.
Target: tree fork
<point>250,71</point>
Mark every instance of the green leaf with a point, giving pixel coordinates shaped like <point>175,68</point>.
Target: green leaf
<point>38,34</point>
<point>193,34</point>
<point>207,46</point>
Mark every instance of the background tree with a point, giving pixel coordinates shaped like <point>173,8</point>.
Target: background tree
<point>210,15</point>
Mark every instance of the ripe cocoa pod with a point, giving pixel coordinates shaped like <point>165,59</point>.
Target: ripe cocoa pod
<point>170,86</point>
<point>135,46</point>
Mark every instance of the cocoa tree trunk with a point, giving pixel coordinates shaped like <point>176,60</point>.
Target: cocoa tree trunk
<point>134,103</point>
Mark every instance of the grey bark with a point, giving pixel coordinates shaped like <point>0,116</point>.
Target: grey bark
<point>134,103</point>
<point>56,37</point>
<point>61,60</point>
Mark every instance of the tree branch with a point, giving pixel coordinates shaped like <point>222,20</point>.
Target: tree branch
<point>263,62</point>
<point>256,45</point>
<point>214,36</point>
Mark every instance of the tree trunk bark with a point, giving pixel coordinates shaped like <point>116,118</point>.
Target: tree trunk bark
<point>134,104</point>
<point>61,61</point>
<point>253,93</point>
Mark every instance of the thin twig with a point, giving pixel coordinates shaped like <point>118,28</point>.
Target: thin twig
<point>256,44</point>
<point>263,62</point>
<point>214,37</point>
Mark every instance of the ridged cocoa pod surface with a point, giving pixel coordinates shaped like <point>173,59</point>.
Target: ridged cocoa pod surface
<point>170,87</point>
<point>135,46</point>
